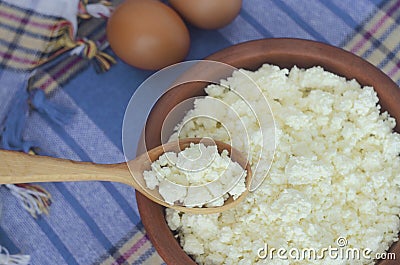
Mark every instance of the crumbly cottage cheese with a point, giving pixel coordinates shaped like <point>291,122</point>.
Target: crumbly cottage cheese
<point>335,173</point>
<point>196,176</point>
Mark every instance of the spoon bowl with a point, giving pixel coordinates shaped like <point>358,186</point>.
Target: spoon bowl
<point>17,167</point>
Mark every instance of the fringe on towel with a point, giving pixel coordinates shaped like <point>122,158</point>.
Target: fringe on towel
<point>11,137</point>
<point>102,9</point>
<point>56,113</point>
<point>7,259</point>
<point>28,100</point>
<point>89,49</point>
<point>33,198</point>
<point>57,38</point>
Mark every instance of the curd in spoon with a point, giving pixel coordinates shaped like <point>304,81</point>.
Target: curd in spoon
<point>17,167</point>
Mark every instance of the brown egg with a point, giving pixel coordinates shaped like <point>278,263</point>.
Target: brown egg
<point>147,34</point>
<point>207,14</point>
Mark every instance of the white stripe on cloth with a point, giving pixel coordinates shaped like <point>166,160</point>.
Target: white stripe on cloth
<point>102,208</point>
<point>72,230</point>
<point>272,17</point>
<point>357,10</point>
<point>234,35</point>
<point>43,136</point>
<point>321,21</point>
<point>87,134</point>
<point>129,195</point>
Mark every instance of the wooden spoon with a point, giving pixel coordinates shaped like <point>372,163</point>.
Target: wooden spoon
<point>17,167</point>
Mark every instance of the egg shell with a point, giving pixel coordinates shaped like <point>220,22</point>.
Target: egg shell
<point>147,34</point>
<point>207,14</point>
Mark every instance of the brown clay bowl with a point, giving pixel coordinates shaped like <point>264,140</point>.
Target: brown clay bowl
<point>251,55</point>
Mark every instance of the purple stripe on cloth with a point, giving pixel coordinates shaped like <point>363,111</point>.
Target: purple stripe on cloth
<point>394,70</point>
<point>15,58</point>
<point>130,251</point>
<point>67,67</point>
<point>367,35</point>
<point>61,72</point>
<point>26,21</point>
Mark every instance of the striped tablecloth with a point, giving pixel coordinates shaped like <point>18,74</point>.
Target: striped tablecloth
<point>98,222</point>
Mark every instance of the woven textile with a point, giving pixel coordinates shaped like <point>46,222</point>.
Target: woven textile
<point>98,222</point>
<point>30,38</point>
<point>378,39</point>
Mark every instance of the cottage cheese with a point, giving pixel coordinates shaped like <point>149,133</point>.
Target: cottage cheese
<point>335,173</point>
<point>196,176</point>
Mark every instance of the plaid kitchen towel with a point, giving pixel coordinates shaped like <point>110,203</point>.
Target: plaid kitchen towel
<point>378,39</point>
<point>30,37</point>
<point>98,223</point>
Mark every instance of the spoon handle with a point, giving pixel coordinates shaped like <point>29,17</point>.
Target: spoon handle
<point>18,167</point>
